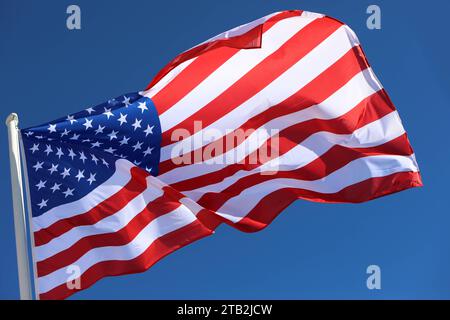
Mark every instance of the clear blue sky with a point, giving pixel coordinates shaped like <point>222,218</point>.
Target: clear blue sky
<point>311,250</point>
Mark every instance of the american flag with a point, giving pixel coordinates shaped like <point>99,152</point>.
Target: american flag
<point>116,187</point>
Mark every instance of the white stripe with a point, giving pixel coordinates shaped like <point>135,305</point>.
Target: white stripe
<point>240,30</point>
<point>249,26</point>
<point>193,206</point>
<point>356,171</point>
<point>109,224</point>
<point>373,134</point>
<point>165,224</point>
<point>231,71</point>
<point>114,184</point>
<point>295,78</point>
<point>157,87</point>
<point>341,102</point>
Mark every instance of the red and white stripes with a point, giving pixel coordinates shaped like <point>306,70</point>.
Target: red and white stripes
<point>310,80</point>
<point>340,139</point>
<point>135,221</point>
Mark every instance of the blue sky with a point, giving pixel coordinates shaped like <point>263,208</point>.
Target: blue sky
<point>311,250</point>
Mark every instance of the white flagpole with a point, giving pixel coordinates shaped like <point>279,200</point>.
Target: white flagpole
<point>12,123</point>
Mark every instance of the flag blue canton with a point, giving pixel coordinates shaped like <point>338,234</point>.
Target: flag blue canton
<point>68,158</point>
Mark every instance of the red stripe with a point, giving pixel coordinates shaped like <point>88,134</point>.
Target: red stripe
<point>271,205</point>
<point>168,202</point>
<point>367,111</point>
<point>332,160</point>
<point>191,77</point>
<point>155,252</point>
<point>316,91</point>
<point>133,188</point>
<point>250,39</point>
<point>299,45</point>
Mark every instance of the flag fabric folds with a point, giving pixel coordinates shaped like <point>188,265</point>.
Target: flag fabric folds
<point>230,131</point>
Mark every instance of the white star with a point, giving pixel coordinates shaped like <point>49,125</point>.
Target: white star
<point>124,140</point>
<point>126,101</point>
<point>82,156</point>
<point>113,135</point>
<point>105,163</point>
<point>41,184</point>
<point>136,124</point>
<point>72,154</point>
<point>29,133</point>
<point>59,152</point>
<point>48,150</point>
<point>43,204</point>
<point>94,158</point>
<point>137,162</point>
<point>142,106</point>
<point>137,146</point>
<point>75,136</point>
<point>39,137</point>
<point>108,113</point>
<point>86,140</point>
<point>66,173</point>
<point>99,130</point>
<point>149,130</point>
<point>80,175</point>
<point>55,187</point>
<point>52,128</point>
<point>96,144</point>
<point>71,119</point>
<point>148,169</point>
<point>122,119</point>
<point>90,110</point>
<point>88,123</point>
<point>110,150</point>
<point>65,133</point>
<point>68,192</point>
<point>91,178</point>
<point>38,166</point>
<point>54,168</point>
<point>35,147</point>
<point>148,151</point>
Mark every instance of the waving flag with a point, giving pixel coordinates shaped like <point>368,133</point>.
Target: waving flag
<point>232,130</point>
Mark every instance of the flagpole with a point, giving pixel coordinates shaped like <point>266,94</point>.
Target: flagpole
<point>12,123</point>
